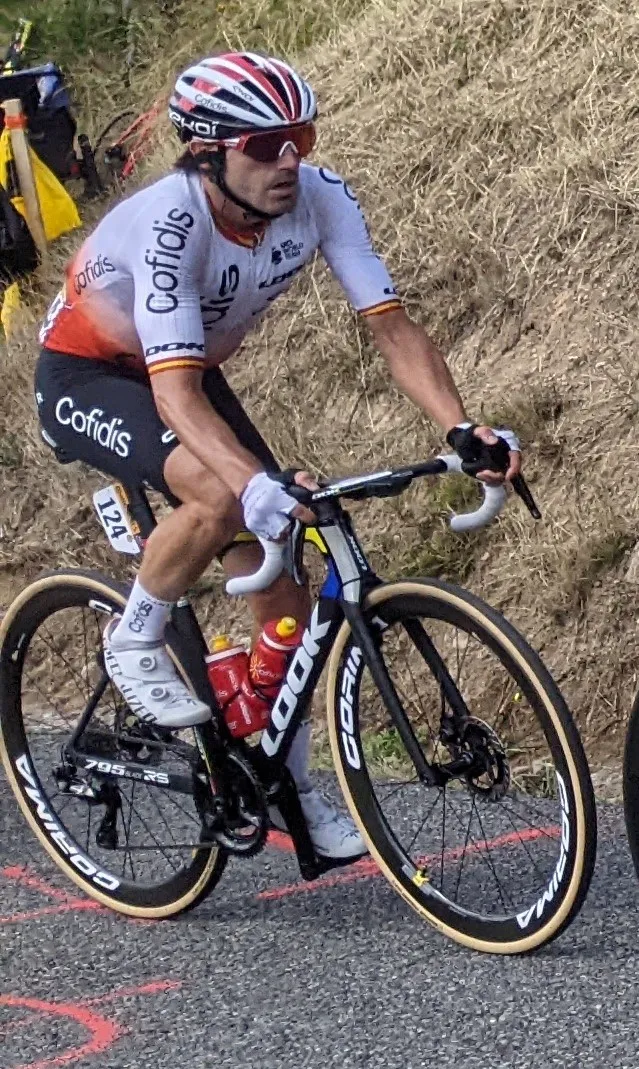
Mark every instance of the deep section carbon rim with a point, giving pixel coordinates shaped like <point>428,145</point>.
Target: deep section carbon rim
<point>502,851</point>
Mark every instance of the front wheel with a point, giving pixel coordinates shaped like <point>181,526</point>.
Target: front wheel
<point>498,851</point>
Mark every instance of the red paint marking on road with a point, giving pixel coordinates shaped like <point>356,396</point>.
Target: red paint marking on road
<point>18,874</point>
<point>103,1033</point>
<point>80,905</point>
<point>280,840</point>
<point>367,868</point>
<point>68,903</point>
<point>154,987</point>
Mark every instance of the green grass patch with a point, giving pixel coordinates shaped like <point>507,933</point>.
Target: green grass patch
<point>67,31</point>
<point>384,751</point>
<point>11,452</point>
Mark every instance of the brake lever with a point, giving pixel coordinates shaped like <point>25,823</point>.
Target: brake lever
<point>521,488</point>
<point>294,553</point>
<point>518,483</point>
<point>286,479</point>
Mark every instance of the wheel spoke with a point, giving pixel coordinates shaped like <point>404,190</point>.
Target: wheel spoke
<point>60,669</point>
<point>463,858</point>
<point>524,844</point>
<point>488,849</point>
<point>489,859</point>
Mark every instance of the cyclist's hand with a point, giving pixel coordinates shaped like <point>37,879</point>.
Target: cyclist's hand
<point>488,454</point>
<point>267,507</point>
<point>302,478</point>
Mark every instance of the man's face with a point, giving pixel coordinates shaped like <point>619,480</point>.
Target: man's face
<point>271,187</point>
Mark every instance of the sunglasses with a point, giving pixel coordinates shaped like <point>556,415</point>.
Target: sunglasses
<point>266,146</point>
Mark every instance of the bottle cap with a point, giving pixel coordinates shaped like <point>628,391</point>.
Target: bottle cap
<point>286,627</point>
<point>220,643</point>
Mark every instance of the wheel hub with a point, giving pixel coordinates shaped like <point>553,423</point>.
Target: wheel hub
<point>489,773</point>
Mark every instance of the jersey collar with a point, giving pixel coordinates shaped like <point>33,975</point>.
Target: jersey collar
<point>249,239</point>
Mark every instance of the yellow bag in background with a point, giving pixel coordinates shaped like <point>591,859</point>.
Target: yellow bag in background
<point>59,213</point>
<point>10,307</point>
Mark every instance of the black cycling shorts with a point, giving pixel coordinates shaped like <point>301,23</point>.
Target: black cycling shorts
<point>101,416</point>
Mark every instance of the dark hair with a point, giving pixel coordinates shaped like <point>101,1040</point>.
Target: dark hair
<point>188,162</point>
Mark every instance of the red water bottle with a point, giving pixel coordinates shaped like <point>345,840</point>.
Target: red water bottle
<point>271,654</point>
<point>228,671</point>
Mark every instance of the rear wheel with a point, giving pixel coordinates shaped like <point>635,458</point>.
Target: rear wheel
<point>118,805</point>
<point>631,783</point>
<point>499,854</point>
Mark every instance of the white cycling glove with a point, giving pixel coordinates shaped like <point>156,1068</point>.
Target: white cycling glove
<point>511,438</point>
<point>266,506</point>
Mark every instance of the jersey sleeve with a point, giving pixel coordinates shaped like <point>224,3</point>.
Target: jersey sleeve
<point>346,245</point>
<point>168,248</point>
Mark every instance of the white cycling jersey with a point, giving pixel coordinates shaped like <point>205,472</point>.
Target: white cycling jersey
<point>161,282</point>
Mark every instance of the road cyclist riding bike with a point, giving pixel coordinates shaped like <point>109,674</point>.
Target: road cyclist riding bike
<point>129,378</point>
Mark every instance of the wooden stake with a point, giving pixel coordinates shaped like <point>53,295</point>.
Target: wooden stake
<point>16,124</point>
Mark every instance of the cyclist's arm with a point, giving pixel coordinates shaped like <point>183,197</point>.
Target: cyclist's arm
<point>345,243</point>
<point>184,407</point>
<point>415,363</point>
<point>168,320</point>
<point>418,367</point>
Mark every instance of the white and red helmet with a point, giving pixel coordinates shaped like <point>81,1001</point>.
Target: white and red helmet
<point>219,97</point>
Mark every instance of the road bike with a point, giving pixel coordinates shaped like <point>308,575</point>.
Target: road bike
<point>124,142</point>
<point>454,749</point>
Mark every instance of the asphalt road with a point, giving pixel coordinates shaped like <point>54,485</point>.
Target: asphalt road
<point>265,973</point>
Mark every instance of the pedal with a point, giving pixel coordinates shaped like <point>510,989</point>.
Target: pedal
<point>311,865</point>
<point>325,864</point>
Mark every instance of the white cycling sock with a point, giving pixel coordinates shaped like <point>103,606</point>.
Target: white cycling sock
<point>298,757</point>
<point>143,620</point>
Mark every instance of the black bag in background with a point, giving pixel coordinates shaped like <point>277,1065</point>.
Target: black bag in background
<point>47,106</point>
<point>18,250</point>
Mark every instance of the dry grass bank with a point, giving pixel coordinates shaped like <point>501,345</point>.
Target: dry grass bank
<point>495,149</point>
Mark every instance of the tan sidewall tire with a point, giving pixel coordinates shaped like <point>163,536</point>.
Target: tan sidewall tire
<point>455,598</point>
<point>101,588</point>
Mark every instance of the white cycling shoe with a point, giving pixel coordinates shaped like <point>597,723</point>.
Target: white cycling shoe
<point>332,833</point>
<point>148,681</point>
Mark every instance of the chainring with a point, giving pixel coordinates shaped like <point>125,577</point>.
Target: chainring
<point>239,822</point>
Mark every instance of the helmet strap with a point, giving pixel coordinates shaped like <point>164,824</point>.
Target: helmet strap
<point>216,160</point>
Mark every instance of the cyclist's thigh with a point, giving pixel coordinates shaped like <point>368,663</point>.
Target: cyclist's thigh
<point>227,405</point>
<point>103,418</point>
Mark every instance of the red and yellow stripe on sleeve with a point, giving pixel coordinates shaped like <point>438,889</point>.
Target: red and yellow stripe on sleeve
<point>173,363</point>
<point>391,305</point>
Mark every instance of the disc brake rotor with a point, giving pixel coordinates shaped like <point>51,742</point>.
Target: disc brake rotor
<point>489,776</point>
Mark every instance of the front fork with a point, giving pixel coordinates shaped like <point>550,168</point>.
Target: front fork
<point>431,775</point>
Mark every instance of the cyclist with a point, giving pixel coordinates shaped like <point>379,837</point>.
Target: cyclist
<point>158,296</point>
